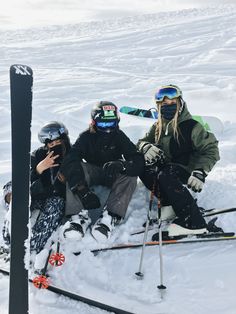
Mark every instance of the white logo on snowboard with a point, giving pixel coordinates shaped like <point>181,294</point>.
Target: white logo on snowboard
<point>22,70</point>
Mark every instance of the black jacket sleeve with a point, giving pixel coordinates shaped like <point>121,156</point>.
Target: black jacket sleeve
<point>71,167</point>
<point>134,160</point>
<point>40,187</point>
<point>98,149</point>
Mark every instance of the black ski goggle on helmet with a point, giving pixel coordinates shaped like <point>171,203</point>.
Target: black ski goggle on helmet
<point>51,133</point>
<point>105,117</point>
<point>169,91</point>
<point>103,125</point>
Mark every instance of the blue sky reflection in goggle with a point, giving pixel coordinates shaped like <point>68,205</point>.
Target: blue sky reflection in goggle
<point>104,125</point>
<point>169,92</point>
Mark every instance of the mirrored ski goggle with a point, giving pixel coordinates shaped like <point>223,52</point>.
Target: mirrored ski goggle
<point>106,125</point>
<point>51,135</point>
<point>169,92</point>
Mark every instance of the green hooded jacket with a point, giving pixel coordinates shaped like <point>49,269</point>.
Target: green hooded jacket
<point>197,148</point>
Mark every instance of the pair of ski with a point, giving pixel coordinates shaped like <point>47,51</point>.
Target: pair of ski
<point>75,296</point>
<point>57,259</point>
<point>209,237</point>
<point>206,213</point>
<point>42,281</point>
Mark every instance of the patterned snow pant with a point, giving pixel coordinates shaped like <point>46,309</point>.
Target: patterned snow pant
<point>50,217</point>
<point>6,233</point>
<point>7,190</point>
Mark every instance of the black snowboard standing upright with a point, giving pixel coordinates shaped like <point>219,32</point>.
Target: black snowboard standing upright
<point>21,81</point>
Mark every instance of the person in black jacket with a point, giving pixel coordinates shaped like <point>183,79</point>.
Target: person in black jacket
<point>103,155</point>
<point>48,192</point>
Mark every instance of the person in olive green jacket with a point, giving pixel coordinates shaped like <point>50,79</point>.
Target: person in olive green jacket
<point>182,153</point>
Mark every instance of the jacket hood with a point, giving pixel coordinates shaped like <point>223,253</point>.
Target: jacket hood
<point>185,115</point>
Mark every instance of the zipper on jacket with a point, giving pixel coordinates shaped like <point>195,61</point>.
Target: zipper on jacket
<point>167,126</point>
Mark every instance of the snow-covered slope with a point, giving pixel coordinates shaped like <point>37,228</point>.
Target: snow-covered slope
<point>124,60</point>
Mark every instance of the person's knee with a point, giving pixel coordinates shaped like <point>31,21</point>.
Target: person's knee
<point>132,181</point>
<point>164,176</point>
<point>124,182</point>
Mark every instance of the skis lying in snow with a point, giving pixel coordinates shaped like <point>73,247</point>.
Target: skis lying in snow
<point>210,123</point>
<point>78,297</point>
<point>209,237</point>
<point>212,236</point>
<point>214,211</point>
<point>206,213</point>
<point>173,240</point>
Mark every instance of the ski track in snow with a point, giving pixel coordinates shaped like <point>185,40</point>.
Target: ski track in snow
<point>124,61</point>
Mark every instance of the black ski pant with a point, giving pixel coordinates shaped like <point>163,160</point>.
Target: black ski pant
<point>169,181</point>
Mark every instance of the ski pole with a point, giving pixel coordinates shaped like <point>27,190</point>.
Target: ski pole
<point>41,281</point>
<point>139,273</point>
<point>58,258</point>
<point>161,286</point>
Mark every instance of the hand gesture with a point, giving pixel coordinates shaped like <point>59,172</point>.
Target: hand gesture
<point>46,163</point>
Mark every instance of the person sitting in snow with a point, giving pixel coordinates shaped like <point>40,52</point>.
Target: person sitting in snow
<point>48,192</point>
<point>184,153</point>
<point>7,196</point>
<point>102,155</point>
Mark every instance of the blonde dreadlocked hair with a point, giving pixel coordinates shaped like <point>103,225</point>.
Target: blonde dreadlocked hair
<point>173,122</point>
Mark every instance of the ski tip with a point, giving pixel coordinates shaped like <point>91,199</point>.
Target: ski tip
<point>161,287</point>
<point>139,275</point>
<point>77,253</point>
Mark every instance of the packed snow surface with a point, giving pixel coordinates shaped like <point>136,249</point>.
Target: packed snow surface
<point>124,60</point>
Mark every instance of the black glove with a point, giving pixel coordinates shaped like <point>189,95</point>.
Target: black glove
<point>88,198</point>
<point>113,168</point>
